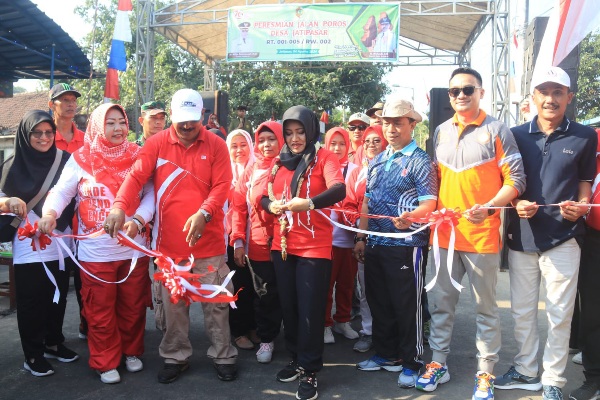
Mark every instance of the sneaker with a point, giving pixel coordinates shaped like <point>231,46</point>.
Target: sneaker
<point>265,352</point>
<point>110,376</point>
<point>344,328</point>
<point>82,336</point>
<point>307,389</point>
<point>408,378</point>
<point>289,373</point>
<point>435,375</point>
<point>376,363</point>
<point>133,364</point>
<point>426,331</point>
<point>578,358</point>
<point>38,367</point>
<point>226,372</point>
<point>328,336</point>
<point>170,372</point>
<point>62,354</point>
<point>484,386</point>
<point>587,391</point>
<point>514,380</point>
<point>552,393</point>
<point>364,344</point>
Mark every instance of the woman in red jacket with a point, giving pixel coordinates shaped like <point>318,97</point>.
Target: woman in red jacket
<point>252,231</point>
<point>303,179</point>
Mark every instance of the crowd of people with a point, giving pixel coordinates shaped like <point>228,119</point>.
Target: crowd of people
<point>304,223</point>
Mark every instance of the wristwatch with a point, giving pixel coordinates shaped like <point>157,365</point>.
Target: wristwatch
<point>207,216</point>
<point>311,205</point>
<point>141,227</point>
<point>360,239</point>
<point>490,211</point>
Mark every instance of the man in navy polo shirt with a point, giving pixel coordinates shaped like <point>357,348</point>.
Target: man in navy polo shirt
<point>559,160</point>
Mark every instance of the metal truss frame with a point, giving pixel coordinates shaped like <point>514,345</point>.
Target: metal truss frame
<point>410,52</point>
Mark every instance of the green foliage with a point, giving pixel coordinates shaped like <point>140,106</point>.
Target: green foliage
<point>588,91</point>
<point>421,133</point>
<point>269,88</point>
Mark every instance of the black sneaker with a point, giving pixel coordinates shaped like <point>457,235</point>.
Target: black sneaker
<point>62,354</point>
<point>307,389</point>
<point>38,367</point>
<point>289,373</point>
<point>226,372</point>
<point>588,391</point>
<point>171,372</point>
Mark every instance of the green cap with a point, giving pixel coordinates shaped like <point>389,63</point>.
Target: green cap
<point>153,107</point>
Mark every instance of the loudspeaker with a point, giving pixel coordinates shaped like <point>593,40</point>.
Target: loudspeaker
<point>218,103</point>
<point>440,110</point>
<point>534,35</point>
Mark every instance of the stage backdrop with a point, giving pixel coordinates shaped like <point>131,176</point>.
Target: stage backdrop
<point>319,32</point>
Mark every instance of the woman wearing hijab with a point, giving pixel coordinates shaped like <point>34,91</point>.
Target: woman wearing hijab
<point>213,123</point>
<point>116,313</point>
<point>303,179</point>
<point>252,232</point>
<point>22,176</point>
<point>241,319</point>
<point>343,271</point>
<point>374,143</point>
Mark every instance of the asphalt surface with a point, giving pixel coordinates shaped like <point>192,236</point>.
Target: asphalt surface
<point>339,379</point>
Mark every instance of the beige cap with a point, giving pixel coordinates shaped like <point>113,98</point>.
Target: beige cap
<point>398,107</point>
<point>360,117</point>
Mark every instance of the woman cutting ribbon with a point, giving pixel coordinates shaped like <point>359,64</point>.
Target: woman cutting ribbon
<point>24,181</point>
<point>116,313</point>
<point>304,178</point>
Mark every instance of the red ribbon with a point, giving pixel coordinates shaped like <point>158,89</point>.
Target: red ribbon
<point>31,232</point>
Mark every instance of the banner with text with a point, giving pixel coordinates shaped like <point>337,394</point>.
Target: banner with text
<point>318,32</point>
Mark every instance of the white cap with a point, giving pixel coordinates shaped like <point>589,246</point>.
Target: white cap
<point>550,74</point>
<point>186,105</point>
<point>360,117</point>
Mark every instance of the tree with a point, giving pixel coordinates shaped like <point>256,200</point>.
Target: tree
<point>588,92</point>
<point>269,88</point>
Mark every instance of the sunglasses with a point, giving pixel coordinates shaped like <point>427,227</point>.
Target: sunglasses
<point>39,134</point>
<point>467,90</point>
<point>352,128</point>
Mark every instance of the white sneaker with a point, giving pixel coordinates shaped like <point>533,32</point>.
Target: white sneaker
<point>133,364</point>
<point>265,353</point>
<point>328,336</point>
<point>578,358</point>
<point>110,376</point>
<point>345,329</point>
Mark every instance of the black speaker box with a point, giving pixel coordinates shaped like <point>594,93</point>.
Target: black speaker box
<point>218,103</point>
<point>440,110</point>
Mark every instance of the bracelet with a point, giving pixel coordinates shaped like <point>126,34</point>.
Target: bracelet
<point>141,227</point>
<point>360,239</point>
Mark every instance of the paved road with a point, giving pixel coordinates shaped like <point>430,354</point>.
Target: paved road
<point>338,380</point>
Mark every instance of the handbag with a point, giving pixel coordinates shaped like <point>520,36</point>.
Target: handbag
<point>10,223</point>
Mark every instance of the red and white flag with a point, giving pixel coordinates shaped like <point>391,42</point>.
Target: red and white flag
<point>118,57</point>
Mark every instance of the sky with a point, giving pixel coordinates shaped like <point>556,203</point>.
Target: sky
<point>412,82</point>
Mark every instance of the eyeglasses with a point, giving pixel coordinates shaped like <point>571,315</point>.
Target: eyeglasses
<point>467,90</point>
<point>39,134</point>
<point>352,128</point>
<point>374,141</point>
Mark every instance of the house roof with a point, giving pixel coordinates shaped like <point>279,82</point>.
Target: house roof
<point>30,42</point>
<point>18,106</point>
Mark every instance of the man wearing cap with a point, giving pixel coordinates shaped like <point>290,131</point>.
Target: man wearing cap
<point>559,157</point>
<point>401,183</point>
<point>356,128</point>
<point>374,114</point>
<point>240,122</point>
<point>63,103</point>
<point>480,167</point>
<point>243,44</point>
<point>192,176</point>
<point>153,119</point>
<point>385,42</point>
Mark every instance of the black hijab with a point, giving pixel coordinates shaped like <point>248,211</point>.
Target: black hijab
<point>23,174</point>
<point>300,162</point>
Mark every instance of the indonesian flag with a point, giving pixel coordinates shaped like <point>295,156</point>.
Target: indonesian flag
<point>325,117</point>
<point>118,57</point>
<point>569,23</point>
